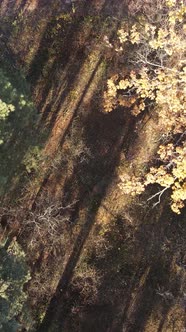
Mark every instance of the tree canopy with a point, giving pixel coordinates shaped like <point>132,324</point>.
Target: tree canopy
<point>14,274</point>
<point>157,82</point>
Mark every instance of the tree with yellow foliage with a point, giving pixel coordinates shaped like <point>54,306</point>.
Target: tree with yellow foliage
<point>158,78</point>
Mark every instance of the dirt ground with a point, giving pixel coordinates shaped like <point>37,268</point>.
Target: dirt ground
<point>115,264</point>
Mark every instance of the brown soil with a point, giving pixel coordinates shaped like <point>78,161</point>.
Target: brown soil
<point>115,264</point>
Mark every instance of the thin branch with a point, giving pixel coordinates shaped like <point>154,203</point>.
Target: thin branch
<point>146,62</point>
<point>159,194</point>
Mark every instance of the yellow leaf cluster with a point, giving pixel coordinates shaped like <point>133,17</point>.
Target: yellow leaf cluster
<point>160,176</point>
<point>178,196</point>
<point>134,35</point>
<point>166,152</point>
<point>172,174</point>
<point>112,89</point>
<point>109,96</point>
<point>131,185</point>
<point>161,80</point>
<point>122,35</point>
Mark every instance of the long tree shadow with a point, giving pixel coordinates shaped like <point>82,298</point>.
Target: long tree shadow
<point>66,122</point>
<point>162,287</point>
<point>66,35</point>
<point>138,279</point>
<point>60,36</point>
<point>85,27</point>
<point>70,66</point>
<point>66,126</point>
<point>99,170</point>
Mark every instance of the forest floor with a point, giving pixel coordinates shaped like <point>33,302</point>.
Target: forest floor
<point>112,263</point>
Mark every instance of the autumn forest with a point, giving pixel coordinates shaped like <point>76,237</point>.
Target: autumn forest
<point>92,166</point>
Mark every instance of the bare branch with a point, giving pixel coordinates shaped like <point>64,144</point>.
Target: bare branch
<point>159,194</point>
